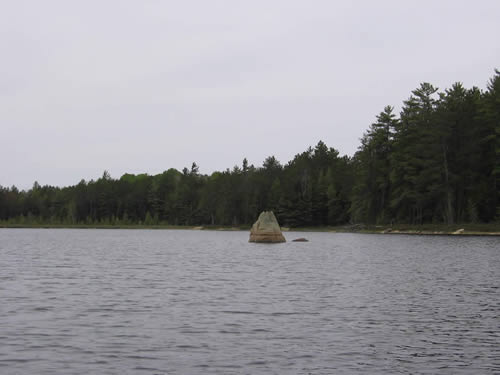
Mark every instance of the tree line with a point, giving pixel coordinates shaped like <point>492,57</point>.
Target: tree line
<point>437,162</point>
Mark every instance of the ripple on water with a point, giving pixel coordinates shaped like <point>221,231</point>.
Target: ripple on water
<point>198,302</point>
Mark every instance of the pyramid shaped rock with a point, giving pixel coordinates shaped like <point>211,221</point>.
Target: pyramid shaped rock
<point>266,229</point>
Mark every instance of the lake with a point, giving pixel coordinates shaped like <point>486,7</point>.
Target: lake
<point>88,301</point>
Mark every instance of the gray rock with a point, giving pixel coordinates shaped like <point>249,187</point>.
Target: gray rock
<point>266,229</point>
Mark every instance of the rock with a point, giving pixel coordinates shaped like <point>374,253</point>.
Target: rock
<point>460,231</point>
<point>302,239</point>
<point>266,229</point>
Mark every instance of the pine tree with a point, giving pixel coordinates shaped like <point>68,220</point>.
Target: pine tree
<point>412,159</point>
<point>371,193</point>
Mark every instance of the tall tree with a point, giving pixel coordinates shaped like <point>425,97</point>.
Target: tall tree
<point>371,194</point>
<point>413,169</point>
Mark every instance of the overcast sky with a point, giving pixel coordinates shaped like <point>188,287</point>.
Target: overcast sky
<point>143,86</point>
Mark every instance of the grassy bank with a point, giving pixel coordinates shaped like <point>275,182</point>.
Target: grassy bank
<point>121,226</point>
<point>430,229</point>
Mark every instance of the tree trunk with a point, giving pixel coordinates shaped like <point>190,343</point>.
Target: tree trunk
<point>449,195</point>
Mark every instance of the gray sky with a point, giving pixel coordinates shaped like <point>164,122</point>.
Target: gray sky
<point>142,86</point>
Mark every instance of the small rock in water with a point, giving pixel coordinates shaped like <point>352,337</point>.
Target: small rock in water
<point>302,239</point>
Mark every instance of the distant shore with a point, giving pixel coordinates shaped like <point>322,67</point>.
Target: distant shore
<point>426,229</point>
<point>491,229</point>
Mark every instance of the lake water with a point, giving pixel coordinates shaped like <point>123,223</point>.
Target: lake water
<point>207,302</point>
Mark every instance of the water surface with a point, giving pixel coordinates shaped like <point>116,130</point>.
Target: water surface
<point>202,302</point>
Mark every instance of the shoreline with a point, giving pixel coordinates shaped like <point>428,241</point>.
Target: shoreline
<point>436,233</point>
<point>424,230</point>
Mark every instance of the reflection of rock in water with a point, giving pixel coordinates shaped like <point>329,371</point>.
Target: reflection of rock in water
<point>266,229</point>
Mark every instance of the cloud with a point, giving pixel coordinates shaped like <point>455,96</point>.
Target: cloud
<point>131,87</point>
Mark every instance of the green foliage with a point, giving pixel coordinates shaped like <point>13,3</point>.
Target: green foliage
<point>437,163</point>
<point>371,193</point>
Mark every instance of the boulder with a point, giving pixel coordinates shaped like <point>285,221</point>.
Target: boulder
<point>266,229</point>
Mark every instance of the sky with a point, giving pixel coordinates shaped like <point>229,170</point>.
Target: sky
<point>144,86</point>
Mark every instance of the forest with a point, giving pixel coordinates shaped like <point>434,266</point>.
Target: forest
<point>438,161</point>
